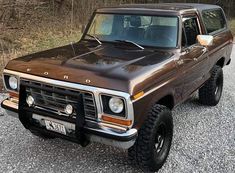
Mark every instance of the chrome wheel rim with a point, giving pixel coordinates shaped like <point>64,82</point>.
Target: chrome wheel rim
<point>160,139</point>
<point>216,90</point>
<point>219,87</point>
<point>159,144</point>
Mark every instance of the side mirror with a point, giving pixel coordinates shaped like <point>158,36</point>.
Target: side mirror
<point>205,40</point>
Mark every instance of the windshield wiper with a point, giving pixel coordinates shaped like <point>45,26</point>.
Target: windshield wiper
<point>131,42</point>
<point>92,36</point>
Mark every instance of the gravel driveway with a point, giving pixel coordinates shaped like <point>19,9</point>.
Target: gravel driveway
<point>204,141</point>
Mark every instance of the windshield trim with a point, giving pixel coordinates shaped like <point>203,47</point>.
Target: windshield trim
<point>95,13</point>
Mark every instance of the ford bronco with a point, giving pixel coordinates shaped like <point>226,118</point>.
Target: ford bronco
<point>119,83</point>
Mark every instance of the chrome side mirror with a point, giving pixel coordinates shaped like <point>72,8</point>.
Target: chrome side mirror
<point>205,40</point>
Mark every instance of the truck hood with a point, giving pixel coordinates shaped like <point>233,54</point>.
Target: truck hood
<point>107,66</point>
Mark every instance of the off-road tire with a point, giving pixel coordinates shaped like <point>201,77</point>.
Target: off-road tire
<point>144,153</point>
<point>210,93</point>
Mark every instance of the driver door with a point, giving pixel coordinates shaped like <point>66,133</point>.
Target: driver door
<point>194,59</point>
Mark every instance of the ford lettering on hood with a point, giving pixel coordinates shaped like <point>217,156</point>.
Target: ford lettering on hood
<point>106,66</point>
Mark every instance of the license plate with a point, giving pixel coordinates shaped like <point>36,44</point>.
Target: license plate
<point>56,127</point>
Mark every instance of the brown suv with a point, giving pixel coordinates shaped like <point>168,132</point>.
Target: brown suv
<point>118,84</point>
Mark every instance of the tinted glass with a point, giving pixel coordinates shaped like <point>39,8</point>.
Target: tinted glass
<point>190,31</point>
<point>157,31</point>
<point>214,20</point>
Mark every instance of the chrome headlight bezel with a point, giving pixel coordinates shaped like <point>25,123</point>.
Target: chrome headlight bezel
<point>13,82</point>
<point>105,103</point>
<point>7,78</point>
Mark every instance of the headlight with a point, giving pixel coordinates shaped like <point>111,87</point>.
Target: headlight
<point>13,82</point>
<point>116,105</point>
<point>113,105</point>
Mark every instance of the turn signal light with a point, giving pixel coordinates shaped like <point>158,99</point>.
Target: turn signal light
<point>14,95</point>
<point>117,121</point>
<point>138,95</point>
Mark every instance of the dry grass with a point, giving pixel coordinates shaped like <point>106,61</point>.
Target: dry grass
<point>16,43</point>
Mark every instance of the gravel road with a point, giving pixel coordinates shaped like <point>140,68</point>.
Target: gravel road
<point>204,141</point>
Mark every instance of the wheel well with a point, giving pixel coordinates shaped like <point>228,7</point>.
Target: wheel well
<point>167,101</point>
<point>220,62</point>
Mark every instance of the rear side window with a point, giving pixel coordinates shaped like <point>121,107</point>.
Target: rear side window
<point>214,20</point>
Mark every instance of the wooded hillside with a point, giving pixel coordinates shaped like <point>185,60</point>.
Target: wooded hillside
<point>32,25</point>
<point>77,10</point>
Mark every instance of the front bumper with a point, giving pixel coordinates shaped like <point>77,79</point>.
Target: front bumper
<point>94,131</point>
<point>11,107</point>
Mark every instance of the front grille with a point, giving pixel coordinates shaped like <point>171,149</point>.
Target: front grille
<point>89,105</point>
<point>54,98</point>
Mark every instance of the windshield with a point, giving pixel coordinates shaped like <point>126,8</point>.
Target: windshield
<point>156,31</point>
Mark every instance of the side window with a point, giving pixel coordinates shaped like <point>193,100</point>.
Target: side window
<point>214,20</point>
<point>190,31</point>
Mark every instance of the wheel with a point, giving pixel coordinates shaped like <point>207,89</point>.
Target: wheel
<point>211,92</point>
<point>42,135</point>
<point>153,144</point>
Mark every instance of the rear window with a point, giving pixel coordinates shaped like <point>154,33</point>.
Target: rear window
<point>214,20</point>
